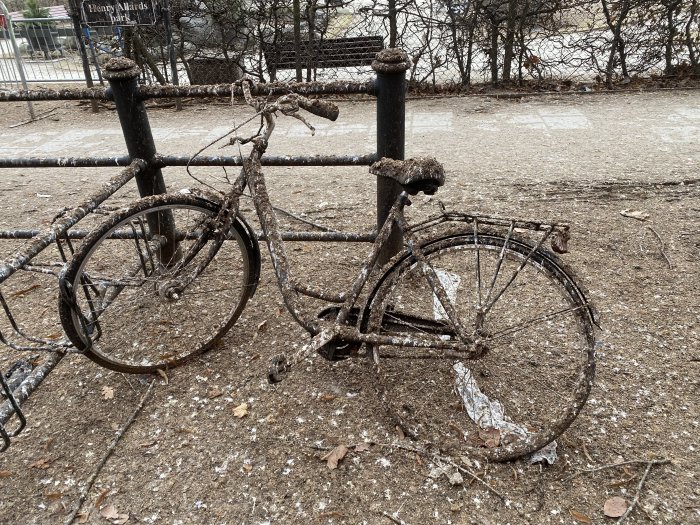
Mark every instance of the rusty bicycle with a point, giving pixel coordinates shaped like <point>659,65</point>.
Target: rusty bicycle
<point>478,336</point>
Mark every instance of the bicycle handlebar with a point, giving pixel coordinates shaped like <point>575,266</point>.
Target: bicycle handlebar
<point>320,108</point>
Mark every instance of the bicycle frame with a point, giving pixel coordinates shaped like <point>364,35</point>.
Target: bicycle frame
<point>251,176</point>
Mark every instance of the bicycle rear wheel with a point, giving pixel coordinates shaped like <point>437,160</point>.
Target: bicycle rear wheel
<point>115,309</point>
<point>534,335</point>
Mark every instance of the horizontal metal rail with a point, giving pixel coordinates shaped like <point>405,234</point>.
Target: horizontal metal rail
<point>217,90</point>
<point>162,161</point>
<point>287,236</point>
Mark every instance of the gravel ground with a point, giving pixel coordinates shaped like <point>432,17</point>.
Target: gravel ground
<point>187,458</point>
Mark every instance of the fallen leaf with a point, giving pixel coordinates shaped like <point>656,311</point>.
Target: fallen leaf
<point>262,326</point>
<point>579,516</point>
<point>109,512</point>
<point>42,463</point>
<point>49,444</point>
<point>83,516</point>
<point>107,392</point>
<point>247,467</point>
<point>214,392</point>
<point>490,436</point>
<point>100,499</point>
<point>241,410</point>
<point>400,433</point>
<point>53,495</point>
<point>615,507</point>
<point>122,519</point>
<point>362,447</point>
<point>162,374</point>
<point>5,473</point>
<point>334,456</point>
<point>327,397</point>
<point>635,214</point>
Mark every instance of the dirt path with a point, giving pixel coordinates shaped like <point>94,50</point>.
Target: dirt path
<point>187,459</point>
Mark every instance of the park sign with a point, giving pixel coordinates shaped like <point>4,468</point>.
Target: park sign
<point>120,13</point>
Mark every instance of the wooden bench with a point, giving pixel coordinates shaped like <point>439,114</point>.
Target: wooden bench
<point>328,53</point>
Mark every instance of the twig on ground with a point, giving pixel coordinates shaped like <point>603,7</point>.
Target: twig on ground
<point>639,491</point>
<point>614,465</point>
<point>110,450</point>
<point>393,518</point>
<point>662,247</point>
<point>40,117</point>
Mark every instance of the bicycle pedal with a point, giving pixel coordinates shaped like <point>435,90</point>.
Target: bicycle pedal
<point>279,368</point>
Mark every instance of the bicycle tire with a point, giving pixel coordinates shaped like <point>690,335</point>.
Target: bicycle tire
<point>537,339</point>
<point>111,309</point>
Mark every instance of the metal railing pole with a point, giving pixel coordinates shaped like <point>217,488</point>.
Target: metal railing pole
<point>391,66</point>
<point>122,74</point>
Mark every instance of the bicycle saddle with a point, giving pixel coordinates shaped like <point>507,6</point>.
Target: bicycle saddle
<point>424,174</point>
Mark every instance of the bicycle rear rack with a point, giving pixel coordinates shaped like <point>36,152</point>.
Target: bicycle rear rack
<point>389,89</point>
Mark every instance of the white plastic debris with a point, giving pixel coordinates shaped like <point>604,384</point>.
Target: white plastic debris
<point>450,282</point>
<point>489,413</point>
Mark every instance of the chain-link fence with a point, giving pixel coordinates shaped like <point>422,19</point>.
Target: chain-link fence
<point>451,42</point>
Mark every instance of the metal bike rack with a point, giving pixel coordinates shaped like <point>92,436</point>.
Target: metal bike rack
<point>144,164</point>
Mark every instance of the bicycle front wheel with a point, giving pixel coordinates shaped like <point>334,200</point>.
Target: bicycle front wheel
<point>531,335</point>
<point>115,309</point>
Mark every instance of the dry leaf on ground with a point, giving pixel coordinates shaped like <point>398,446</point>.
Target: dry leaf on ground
<point>42,463</point>
<point>241,410</point>
<point>214,393</point>
<point>362,447</point>
<point>580,516</point>
<point>111,513</point>
<point>334,456</point>
<point>5,473</point>
<point>490,436</point>
<point>615,507</point>
<point>107,392</point>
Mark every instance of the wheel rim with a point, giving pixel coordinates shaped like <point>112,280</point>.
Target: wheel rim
<point>536,344</point>
<point>118,287</point>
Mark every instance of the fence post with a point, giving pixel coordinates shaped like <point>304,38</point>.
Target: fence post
<point>122,74</point>
<point>391,66</point>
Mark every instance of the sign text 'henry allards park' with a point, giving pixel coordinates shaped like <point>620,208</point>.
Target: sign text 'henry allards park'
<point>119,13</point>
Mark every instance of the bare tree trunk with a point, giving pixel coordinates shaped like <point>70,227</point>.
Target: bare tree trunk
<point>297,38</point>
<point>509,43</point>
<point>393,26</point>
<point>618,44</point>
<point>689,37</point>
<point>493,55</point>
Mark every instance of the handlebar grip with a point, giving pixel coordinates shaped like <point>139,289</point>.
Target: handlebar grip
<point>320,108</point>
